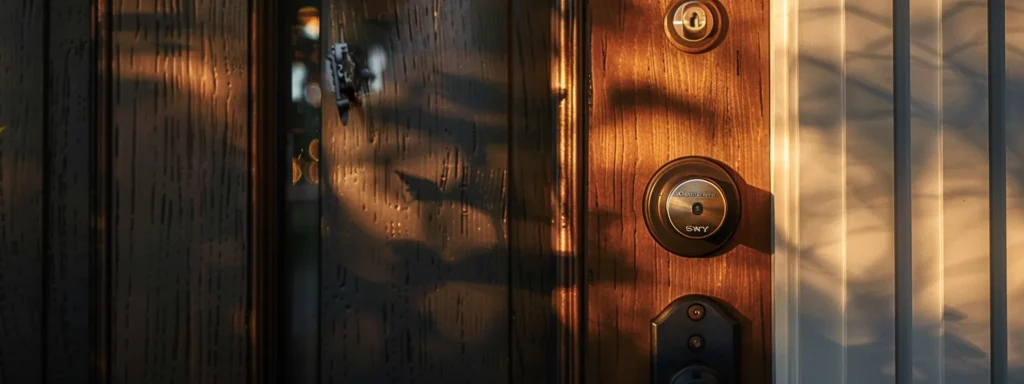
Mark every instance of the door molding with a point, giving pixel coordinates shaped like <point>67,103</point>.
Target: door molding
<point>784,121</point>
<point>570,44</point>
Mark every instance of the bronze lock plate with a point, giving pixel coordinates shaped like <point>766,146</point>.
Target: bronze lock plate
<point>692,206</point>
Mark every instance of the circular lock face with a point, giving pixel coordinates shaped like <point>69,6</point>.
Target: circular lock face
<point>696,208</point>
<point>695,26</point>
<point>692,206</point>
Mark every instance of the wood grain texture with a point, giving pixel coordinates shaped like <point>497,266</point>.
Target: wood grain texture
<point>179,194</point>
<point>22,164</point>
<point>70,105</point>
<point>532,182</point>
<point>650,104</point>
<point>415,268</point>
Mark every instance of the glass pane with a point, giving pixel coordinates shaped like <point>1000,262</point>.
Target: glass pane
<point>300,274</point>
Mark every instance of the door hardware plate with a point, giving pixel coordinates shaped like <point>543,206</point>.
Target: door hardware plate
<point>674,357</point>
<point>692,206</point>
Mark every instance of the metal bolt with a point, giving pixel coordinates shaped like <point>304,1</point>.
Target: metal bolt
<point>696,343</point>
<point>695,312</point>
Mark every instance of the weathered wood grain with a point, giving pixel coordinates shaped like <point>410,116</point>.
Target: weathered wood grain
<point>179,194</point>
<point>70,106</point>
<point>532,181</point>
<point>650,104</point>
<point>22,165</point>
<point>415,267</point>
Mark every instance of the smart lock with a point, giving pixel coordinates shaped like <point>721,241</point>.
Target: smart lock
<point>695,340</point>
<point>692,206</point>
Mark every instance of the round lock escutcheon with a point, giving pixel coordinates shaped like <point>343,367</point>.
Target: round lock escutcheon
<point>692,206</point>
<point>695,26</point>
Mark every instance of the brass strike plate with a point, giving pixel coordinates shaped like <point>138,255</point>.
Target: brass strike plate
<point>692,206</point>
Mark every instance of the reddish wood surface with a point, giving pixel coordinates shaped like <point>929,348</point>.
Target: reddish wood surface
<point>652,103</point>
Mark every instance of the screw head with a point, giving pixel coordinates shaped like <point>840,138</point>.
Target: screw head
<point>695,343</point>
<point>695,312</point>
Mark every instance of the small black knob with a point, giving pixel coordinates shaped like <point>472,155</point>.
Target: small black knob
<point>695,312</point>
<point>696,343</point>
<point>698,208</point>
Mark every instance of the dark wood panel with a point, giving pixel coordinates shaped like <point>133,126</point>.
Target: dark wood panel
<point>415,263</point>
<point>267,181</point>
<point>179,191</point>
<point>534,260</point>
<point>22,165</point>
<point>70,105</point>
<point>652,103</point>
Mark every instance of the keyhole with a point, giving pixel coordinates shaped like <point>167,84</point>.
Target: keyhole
<point>693,22</point>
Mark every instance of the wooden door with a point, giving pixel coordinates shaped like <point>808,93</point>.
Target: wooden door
<point>439,256</point>
<point>481,216</point>
<point>652,103</point>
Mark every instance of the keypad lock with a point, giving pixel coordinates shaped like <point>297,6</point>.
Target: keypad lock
<point>695,340</point>
<point>692,206</point>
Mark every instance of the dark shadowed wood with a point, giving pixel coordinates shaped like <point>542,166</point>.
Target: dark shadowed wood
<point>22,164</point>
<point>532,183</point>
<point>651,104</point>
<point>70,104</point>
<point>415,266</point>
<point>267,182</point>
<point>179,195</point>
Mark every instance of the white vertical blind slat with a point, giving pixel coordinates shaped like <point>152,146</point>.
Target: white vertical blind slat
<point>869,195</point>
<point>820,262</point>
<point>1014,109</point>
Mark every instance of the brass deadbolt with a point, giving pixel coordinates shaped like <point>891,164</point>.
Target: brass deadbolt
<point>695,26</point>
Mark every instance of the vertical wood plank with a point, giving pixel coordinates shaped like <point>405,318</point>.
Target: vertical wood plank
<point>949,95</point>
<point>1014,129</point>
<point>415,269</point>
<point>532,178</point>
<point>179,191</point>
<point>868,171</point>
<point>651,103</point>
<point>71,104</point>
<point>22,167</point>
<point>821,242</point>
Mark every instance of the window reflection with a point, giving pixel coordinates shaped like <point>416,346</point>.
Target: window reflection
<point>300,261</point>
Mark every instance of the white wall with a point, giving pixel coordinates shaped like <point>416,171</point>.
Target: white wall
<point>899,190</point>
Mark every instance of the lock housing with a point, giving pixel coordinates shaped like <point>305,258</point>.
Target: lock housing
<point>695,340</point>
<point>695,26</point>
<point>692,206</point>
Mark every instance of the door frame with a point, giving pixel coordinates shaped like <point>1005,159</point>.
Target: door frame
<point>784,129</point>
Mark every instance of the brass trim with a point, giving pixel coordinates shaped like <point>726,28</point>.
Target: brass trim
<point>718,21</point>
